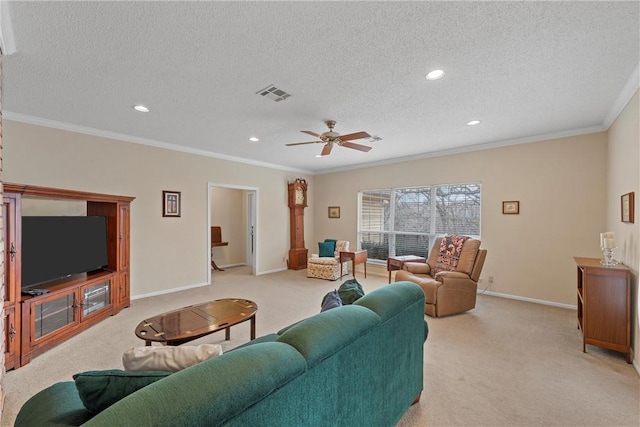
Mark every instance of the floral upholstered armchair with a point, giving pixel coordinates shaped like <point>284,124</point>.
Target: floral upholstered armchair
<point>325,264</point>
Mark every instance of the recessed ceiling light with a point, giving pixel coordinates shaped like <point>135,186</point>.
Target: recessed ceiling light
<point>141,108</point>
<point>435,74</point>
<point>318,156</point>
<point>473,123</point>
<point>254,139</point>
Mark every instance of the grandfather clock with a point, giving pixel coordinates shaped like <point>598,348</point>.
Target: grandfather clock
<point>297,203</point>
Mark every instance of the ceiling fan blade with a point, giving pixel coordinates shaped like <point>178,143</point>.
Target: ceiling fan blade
<point>327,149</point>
<point>302,143</point>
<point>357,135</point>
<point>308,132</point>
<point>355,146</point>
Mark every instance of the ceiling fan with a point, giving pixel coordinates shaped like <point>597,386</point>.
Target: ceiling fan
<point>331,138</point>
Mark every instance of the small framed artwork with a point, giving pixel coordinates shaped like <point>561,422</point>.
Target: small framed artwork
<point>626,207</point>
<point>511,207</point>
<point>334,211</point>
<point>171,203</point>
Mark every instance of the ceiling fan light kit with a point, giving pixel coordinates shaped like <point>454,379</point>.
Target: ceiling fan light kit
<point>331,138</point>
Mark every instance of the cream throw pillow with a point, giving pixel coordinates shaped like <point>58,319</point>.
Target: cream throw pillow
<point>167,358</point>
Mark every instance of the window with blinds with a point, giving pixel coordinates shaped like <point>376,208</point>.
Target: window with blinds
<point>405,221</point>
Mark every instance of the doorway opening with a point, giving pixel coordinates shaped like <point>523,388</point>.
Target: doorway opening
<point>234,209</point>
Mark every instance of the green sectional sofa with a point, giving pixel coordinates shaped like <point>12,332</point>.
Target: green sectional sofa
<point>355,365</point>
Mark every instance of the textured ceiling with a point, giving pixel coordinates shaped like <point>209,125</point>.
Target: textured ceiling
<point>524,68</point>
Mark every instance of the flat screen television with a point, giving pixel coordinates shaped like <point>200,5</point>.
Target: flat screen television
<point>54,247</point>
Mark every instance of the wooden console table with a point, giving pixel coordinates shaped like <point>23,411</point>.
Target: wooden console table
<point>604,305</point>
<point>357,257</point>
<point>216,240</point>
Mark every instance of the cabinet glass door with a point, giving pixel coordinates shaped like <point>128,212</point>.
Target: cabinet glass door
<point>95,297</point>
<point>53,314</point>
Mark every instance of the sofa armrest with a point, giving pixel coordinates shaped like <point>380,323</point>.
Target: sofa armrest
<point>441,276</point>
<point>417,267</point>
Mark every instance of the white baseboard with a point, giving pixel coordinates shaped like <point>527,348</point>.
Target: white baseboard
<point>260,273</point>
<point>237,264</point>
<point>533,300</point>
<point>169,291</point>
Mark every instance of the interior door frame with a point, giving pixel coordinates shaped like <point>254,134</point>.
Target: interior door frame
<point>254,220</point>
<point>250,222</point>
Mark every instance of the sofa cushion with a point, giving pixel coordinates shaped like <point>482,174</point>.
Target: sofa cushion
<point>330,300</point>
<point>323,261</point>
<point>265,338</point>
<point>326,249</point>
<point>100,389</point>
<point>59,402</point>
<point>391,299</point>
<point>168,358</point>
<point>322,335</point>
<point>450,249</point>
<point>211,393</point>
<point>468,256</point>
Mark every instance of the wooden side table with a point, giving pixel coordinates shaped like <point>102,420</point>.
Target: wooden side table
<point>357,257</point>
<point>396,262</point>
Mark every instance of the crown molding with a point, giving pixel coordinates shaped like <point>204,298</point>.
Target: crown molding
<point>623,98</point>
<point>23,118</point>
<point>472,148</point>
<point>7,41</point>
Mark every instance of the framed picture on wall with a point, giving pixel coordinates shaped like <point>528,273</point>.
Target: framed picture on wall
<point>334,211</point>
<point>171,203</point>
<point>626,207</point>
<point>511,207</point>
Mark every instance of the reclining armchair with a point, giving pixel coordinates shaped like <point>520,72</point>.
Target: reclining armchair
<point>327,265</point>
<point>449,280</point>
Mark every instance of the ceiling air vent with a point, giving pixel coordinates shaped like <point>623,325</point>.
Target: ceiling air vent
<point>374,138</point>
<point>273,93</point>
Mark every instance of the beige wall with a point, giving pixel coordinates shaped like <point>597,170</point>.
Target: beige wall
<point>623,176</point>
<point>563,186</point>
<point>166,253</point>
<point>560,184</point>
<point>228,212</point>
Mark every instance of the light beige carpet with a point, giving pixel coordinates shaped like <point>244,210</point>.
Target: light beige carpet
<point>505,363</point>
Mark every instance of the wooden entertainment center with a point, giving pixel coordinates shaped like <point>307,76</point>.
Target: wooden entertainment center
<point>34,324</point>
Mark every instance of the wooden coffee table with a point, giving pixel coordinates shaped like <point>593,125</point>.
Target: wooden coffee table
<point>188,323</point>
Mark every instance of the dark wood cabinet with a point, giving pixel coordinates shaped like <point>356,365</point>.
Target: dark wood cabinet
<point>70,306</point>
<point>604,305</point>
<point>11,339</point>
<point>118,229</point>
<point>34,324</point>
<point>11,228</point>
